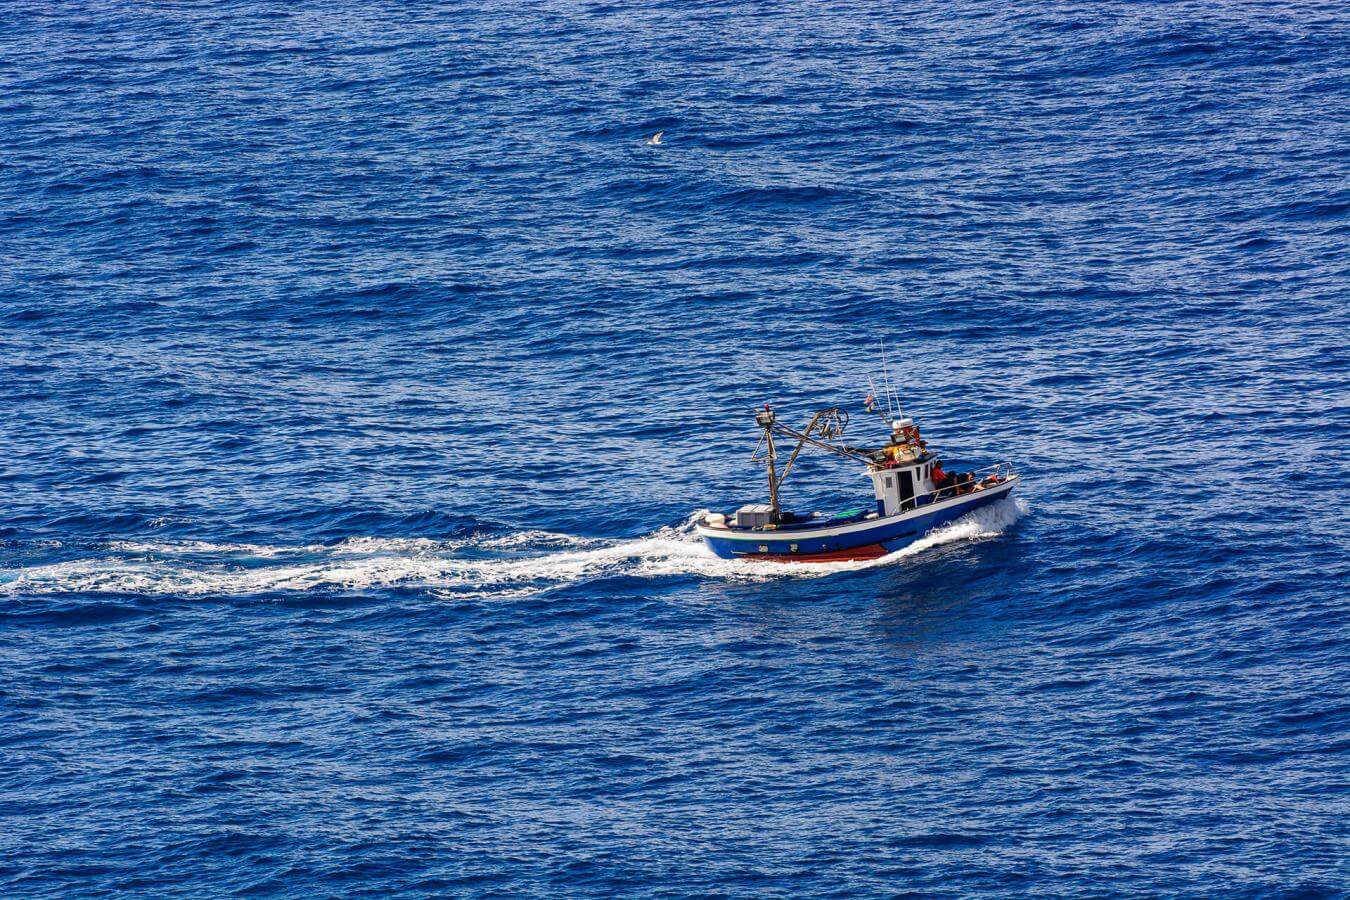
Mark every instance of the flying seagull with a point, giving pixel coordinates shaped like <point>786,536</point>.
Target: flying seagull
<point>655,140</point>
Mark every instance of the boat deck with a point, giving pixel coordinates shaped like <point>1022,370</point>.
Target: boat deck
<point>798,523</point>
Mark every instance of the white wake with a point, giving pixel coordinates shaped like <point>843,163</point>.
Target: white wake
<point>519,564</point>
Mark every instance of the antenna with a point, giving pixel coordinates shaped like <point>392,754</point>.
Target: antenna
<point>886,380</point>
<point>893,404</point>
<point>872,401</point>
<point>899,407</point>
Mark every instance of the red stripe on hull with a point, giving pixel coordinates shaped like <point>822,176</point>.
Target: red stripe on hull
<point>852,554</point>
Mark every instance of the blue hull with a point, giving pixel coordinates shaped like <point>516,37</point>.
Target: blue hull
<point>874,538</point>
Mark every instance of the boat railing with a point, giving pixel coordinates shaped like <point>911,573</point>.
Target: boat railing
<point>1000,472</point>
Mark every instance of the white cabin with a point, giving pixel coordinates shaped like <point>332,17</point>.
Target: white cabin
<point>903,487</point>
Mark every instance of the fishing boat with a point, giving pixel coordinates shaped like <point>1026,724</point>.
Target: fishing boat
<point>913,495</point>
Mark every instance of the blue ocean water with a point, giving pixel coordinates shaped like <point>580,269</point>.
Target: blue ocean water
<point>361,369</point>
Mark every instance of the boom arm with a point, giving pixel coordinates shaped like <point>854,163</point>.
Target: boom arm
<point>830,424</point>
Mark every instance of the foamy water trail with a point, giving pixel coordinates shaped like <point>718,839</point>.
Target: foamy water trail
<point>503,566</point>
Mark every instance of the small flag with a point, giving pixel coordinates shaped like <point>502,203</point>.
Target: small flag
<point>870,404</point>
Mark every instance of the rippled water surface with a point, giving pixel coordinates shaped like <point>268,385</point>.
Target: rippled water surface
<point>361,369</point>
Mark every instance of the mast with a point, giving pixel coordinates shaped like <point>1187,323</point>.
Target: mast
<point>765,419</point>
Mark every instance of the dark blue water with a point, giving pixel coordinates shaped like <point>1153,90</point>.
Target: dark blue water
<point>361,368</point>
